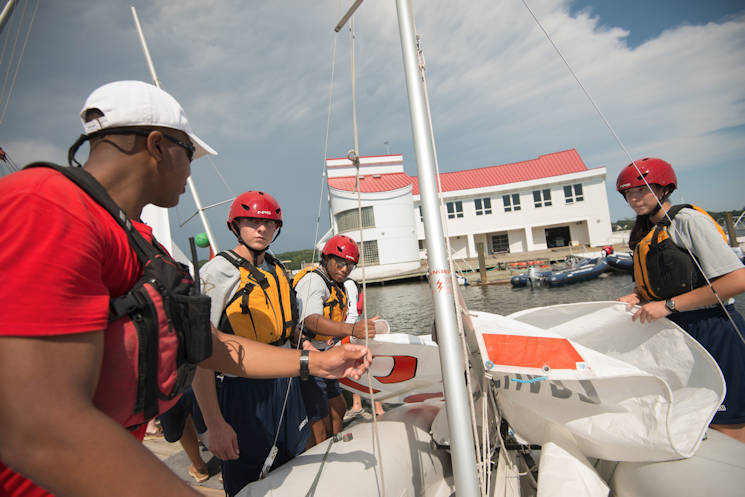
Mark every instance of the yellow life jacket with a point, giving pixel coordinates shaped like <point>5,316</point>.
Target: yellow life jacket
<point>663,270</point>
<point>334,308</point>
<point>264,307</point>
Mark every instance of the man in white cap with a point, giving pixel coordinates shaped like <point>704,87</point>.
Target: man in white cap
<point>63,259</point>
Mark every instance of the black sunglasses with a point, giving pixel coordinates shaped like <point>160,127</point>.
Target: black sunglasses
<point>190,149</point>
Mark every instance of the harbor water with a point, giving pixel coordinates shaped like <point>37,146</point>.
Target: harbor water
<point>408,306</point>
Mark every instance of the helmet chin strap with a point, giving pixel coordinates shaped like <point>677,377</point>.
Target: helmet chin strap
<point>254,252</point>
<point>662,200</point>
<point>324,263</point>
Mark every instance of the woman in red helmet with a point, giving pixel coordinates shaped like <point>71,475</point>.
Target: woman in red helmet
<point>674,247</point>
<point>322,301</point>
<point>252,296</point>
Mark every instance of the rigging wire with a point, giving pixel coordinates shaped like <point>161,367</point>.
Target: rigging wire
<point>222,178</point>
<point>7,164</point>
<point>18,65</point>
<point>632,161</point>
<point>355,157</point>
<point>5,46</point>
<point>272,452</point>
<point>325,148</point>
<point>12,53</point>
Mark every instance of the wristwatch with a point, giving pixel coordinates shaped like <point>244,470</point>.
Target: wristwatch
<point>304,368</point>
<point>670,304</point>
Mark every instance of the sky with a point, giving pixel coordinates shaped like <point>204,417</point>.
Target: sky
<point>255,79</point>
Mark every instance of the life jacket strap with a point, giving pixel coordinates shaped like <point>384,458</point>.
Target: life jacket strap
<point>242,262</point>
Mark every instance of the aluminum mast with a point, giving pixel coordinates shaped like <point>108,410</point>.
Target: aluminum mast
<point>462,444</point>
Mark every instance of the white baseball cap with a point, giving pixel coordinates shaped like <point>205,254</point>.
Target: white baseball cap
<point>135,103</point>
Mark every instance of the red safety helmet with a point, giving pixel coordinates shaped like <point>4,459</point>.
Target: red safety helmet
<point>342,246</point>
<point>654,171</point>
<point>255,204</point>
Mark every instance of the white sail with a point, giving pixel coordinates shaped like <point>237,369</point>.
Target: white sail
<point>642,392</point>
<point>157,219</point>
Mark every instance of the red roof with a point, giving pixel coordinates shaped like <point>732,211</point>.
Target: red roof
<point>545,166</point>
<point>374,183</point>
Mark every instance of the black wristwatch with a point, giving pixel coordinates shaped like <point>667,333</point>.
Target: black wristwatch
<point>304,365</point>
<point>670,304</point>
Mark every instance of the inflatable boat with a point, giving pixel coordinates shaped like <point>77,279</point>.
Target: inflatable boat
<point>620,262</point>
<point>586,269</point>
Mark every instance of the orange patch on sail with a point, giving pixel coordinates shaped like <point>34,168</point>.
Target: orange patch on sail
<point>531,352</point>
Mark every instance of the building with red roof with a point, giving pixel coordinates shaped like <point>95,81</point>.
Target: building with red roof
<point>550,201</point>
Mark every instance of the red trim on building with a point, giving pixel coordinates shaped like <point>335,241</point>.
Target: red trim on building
<point>373,183</point>
<point>545,166</point>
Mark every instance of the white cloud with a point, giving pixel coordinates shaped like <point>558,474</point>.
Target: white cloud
<point>25,151</point>
<point>253,78</point>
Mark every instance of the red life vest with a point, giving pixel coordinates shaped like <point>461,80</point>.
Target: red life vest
<point>157,332</point>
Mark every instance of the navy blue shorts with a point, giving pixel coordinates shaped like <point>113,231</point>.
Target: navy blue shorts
<point>253,407</point>
<point>173,420</point>
<point>712,329</point>
<point>316,394</point>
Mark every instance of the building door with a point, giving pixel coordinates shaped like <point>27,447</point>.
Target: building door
<point>499,244</point>
<point>557,237</point>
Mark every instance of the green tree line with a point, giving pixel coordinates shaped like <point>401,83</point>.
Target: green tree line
<point>292,260</point>
<point>296,258</point>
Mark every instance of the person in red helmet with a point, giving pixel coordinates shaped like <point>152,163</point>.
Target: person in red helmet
<point>252,297</point>
<point>670,280</point>
<point>322,301</point>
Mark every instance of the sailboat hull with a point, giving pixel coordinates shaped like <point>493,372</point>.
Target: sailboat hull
<point>411,464</point>
<point>717,468</point>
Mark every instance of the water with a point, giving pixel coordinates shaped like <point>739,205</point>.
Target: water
<point>408,306</point>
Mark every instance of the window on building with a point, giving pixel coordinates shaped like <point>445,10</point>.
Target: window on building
<point>542,198</point>
<point>421,216</point>
<point>500,243</point>
<point>455,209</point>
<point>370,249</point>
<point>350,220</point>
<point>573,193</point>
<point>482,205</point>
<point>511,202</point>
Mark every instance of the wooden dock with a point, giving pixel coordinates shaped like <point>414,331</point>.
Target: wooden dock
<point>500,267</point>
<point>175,458</point>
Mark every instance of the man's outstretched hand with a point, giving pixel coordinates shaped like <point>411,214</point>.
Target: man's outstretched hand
<point>346,360</point>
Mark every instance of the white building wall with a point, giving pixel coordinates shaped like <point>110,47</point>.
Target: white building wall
<point>459,247</point>
<point>599,225</point>
<point>539,236</point>
<point>394,231</point>
<point>517,240</point>
<point>588,220</point>
<point>399,229</point>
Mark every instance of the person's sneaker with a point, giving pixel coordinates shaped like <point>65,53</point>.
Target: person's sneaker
<point>198,476</point>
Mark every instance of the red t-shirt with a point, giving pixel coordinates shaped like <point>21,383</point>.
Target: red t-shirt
<point>62,257</point>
